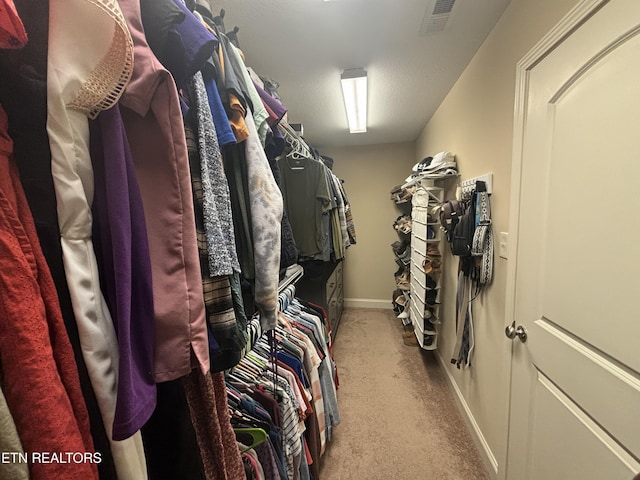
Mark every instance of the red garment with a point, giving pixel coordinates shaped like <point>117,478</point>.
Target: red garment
<point>38,367</point>
<point>207,400</point>
<point>12,33</point>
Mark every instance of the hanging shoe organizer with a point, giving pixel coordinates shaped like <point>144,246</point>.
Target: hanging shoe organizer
<point>426,264</point>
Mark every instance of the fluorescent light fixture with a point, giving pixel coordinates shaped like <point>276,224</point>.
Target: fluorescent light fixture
<point>354,91</point>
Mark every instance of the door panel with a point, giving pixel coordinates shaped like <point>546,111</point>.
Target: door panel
<point>576,382</point>
<point>565,437</point>
<point>590,240</point>
<point>584,374</point>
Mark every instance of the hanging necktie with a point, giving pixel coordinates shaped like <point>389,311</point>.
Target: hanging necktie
<point>461,309</point>
<point>483,239</point>
<point>468,337</point>
<point>465,341</point>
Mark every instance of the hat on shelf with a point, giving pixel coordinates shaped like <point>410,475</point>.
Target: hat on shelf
<point>441,161</point>
<point>422,164</point>
<point>441,164</point>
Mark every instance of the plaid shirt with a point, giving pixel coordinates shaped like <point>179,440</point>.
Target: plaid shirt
<point>221,318</point>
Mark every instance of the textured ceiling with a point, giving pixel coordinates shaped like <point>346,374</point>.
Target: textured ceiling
<point>305,45</point>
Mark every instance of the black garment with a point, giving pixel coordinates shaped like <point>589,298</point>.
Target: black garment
<point>169,40</point>
<point>288,251</point>
<point>23,95</point>
<point>158,18</point>
<point>235,168</point>
<point>169,439</point>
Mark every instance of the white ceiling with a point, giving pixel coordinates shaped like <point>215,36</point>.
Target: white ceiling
<point>306,44</point>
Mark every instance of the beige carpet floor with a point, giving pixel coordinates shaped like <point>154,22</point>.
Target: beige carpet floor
<point>399,419</point>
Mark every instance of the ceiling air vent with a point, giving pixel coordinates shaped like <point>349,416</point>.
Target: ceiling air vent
<point>443,7</point>
<point>436,16</point>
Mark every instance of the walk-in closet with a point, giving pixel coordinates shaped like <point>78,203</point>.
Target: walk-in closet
<point>319,239</point>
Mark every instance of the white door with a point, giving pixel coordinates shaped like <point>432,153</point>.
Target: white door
<point>574,281</point>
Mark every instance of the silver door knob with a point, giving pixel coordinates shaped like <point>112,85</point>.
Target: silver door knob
<point>511,331</point>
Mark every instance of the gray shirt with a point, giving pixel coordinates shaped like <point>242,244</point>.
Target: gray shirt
<point>306,197</point>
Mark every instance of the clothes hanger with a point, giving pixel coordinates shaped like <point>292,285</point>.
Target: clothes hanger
<point>299,148</point>
<point>247,368</point>
<point>239,384</point>
<point>250,437</point>
<point>243,418</point>
<point>262,349</point>
<point>294,154</point>
<point>219,20</point>
<point>233,36</point>
<point>242,375</point>
<point>257,359</point>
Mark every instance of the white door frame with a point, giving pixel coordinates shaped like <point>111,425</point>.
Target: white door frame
<point>578,15</point>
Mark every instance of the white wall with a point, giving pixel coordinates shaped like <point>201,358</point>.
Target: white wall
<point>369,174</point>
<point>475,121</point>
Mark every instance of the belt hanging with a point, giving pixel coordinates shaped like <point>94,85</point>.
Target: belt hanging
<point>462,301</point>
<point>483,239</point>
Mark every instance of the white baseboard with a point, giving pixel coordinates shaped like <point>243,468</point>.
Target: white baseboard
<point>367,303</point>
<point>487,455</point>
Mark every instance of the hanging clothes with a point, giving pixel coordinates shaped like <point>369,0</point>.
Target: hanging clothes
<point>23,95</point>
<point>306,198</point>
<point>256,198</point>
<point>160,298</point>
<point>293,378</point>
<point>235,169</point>
<point>169,437</point>
<point>207,399</point>
<point>249,92</point>
<point>79,87</point>
<point>122,251</point>
<point>267,461</point>
<point>231,93</point>
<point>226,328</point>
<point>216,205</point>
<point>274,148</point>
<point>12,32</point>
<point>10,442</point>
<point>177,38</point>
<point>39,373</point>
<point>219,115</point>
<point>153,121</point>
<point>289,253</point>
<point>348,215</point>
<point>340,219</point>
<point>266,214</point>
